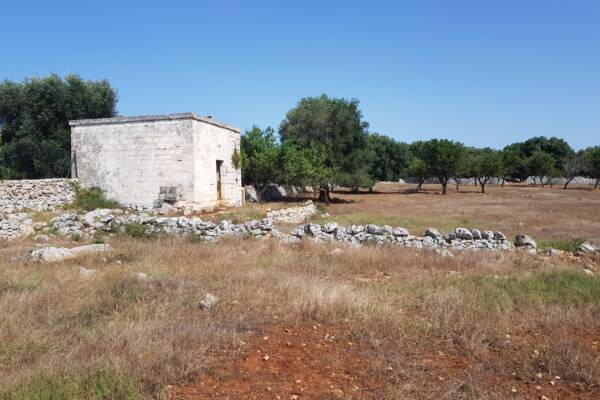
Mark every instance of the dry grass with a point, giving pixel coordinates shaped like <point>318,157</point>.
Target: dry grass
<point>421,319</point>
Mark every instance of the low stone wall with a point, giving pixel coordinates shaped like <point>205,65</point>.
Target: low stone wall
<point>293,215</point>
<point>35,194</point>
<point>459,239</point>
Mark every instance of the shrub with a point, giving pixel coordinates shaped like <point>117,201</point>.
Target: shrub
<point>89,199</point>
<point>99,239</point>
<point>236,158</point>
<point>136,230</point>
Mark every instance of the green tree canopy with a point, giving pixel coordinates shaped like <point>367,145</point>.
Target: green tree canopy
<point>34,121</point>
<point>260,152</point>
<point>444,158</point>
<point>487,164</point>
<point>591,157</point>
<point>332,131</point>
<point>540,165</point>
<point>295,166</point>
<point>388,157</point>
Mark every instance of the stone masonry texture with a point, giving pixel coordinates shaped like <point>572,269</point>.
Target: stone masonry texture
<point>131,158</point>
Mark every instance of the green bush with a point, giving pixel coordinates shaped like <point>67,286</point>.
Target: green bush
<point>136,230</point>
<point>89,199</point>
<point>94,385</point>
<point>99,239</point>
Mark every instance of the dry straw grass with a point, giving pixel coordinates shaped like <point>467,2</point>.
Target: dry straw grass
<point>403,304</point>
<point>472,326</point>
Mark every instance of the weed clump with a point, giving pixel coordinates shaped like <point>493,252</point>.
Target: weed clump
<point>136,230</point>
<point>88,199</point>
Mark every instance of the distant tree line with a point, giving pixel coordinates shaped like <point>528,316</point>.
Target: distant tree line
<point>35,138</point>
<point>325,142</point>
<point>322,142</point>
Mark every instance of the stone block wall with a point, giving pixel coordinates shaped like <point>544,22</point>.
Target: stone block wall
<point>35,194</point>
<point>132,158</point>
<point>131,161</point>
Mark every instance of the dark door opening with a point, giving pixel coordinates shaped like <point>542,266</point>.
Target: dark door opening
<point>219,164</point>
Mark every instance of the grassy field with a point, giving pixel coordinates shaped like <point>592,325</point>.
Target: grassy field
<point>295,322</point>
<point>544,213</point>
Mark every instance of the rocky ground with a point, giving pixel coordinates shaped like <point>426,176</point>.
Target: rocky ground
<point>113,221</point>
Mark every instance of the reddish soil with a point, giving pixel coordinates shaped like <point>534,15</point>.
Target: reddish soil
<point>318,362</point>
<point>302,362</point>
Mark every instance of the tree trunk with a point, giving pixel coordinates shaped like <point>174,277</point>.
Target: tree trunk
<point>567,183</point>
<point>419,185</point>
<point>503,181</point>
<point>482,183</point>
<point>444,187</point>
<point>457,181</point>
<point>596,185</point>
<point>324,195</point>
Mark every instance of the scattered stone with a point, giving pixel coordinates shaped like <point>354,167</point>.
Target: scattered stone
<point>499,236</point>
<point>336,252</point>
<point>38,226</point>
<point>487,235</point>
<point>433,233</point>
<point>140,276</point>
<point>165,208</point>
<point>587,248</point>
<point>55,254</point>
<point>330,227</point>
<point>444,252</point>
<point>41,238</point>
<point>208,301</point>
<point>251,195</point>
<point>273,192</point>
<point>86,272</point>
<point>463,233</point>
<point>525,240</point>
<point>400,232</point>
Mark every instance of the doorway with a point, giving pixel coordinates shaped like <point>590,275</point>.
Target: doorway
<point>219,194</point>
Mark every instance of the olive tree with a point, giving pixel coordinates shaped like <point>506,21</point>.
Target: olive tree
<point>34,121</point>
<point>443,159</point>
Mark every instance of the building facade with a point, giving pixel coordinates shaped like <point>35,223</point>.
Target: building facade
<point>183,159</point>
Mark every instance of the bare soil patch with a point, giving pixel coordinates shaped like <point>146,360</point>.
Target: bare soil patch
<point>283,362</point>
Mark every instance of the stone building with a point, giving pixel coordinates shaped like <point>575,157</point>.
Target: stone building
<point>182,159</point>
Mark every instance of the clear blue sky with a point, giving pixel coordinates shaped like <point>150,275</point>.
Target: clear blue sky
<point>483,72</point>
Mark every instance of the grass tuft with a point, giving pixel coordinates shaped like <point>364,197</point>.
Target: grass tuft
<point>556,287</point>
<point>94,385</point>
<point>568,245</point>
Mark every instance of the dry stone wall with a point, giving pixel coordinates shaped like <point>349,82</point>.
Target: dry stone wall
<point>35,195</point>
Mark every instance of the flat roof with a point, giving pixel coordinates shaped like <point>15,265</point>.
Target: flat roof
<point>151,118</point>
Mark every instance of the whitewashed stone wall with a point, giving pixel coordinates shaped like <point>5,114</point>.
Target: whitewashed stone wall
<point>131,158</point>
<point>35,194</point>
